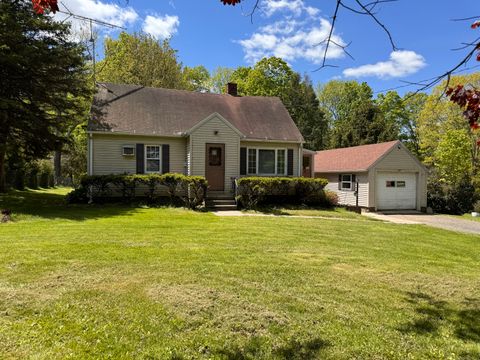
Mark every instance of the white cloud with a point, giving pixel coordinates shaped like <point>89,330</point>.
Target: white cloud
<point>294,7</point>
<point>401,63</point>
<point>293,40</point>
<point>161,27</point>
<point>99,10</point>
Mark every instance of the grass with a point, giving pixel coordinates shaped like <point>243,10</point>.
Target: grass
<point>470,217</point>
<point>120,282</point>
<point>298,210</point>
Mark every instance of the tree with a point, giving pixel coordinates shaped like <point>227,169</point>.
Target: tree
<point>440,125</point>
<point>413,104</point>
<point>302,103</point>
<point>43,77</point>
<point>196,78</point>
<point>353,117</point>
<point>273,77</point>
<point>452,157</point>
<point>219,79</point>
<point>141,60</point>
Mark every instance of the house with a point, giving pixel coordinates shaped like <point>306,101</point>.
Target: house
<point>383,176</point>
<point>136,129</point>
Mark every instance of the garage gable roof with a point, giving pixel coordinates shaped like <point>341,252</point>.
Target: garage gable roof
<point>134,109</point>
<point>351,159</point>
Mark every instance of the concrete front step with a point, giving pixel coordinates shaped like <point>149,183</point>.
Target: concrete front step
<point>221,204</point>
<point>222,207</point>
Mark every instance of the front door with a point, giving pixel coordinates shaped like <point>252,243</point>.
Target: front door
<point>215,166</point>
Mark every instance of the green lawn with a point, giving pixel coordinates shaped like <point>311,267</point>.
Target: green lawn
<point>470,217</point>
<point>92,282</point>
<point>306,211</point>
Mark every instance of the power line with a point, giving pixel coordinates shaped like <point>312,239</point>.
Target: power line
<point>91,22</point>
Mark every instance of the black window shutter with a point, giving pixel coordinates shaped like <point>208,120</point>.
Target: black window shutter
<point>165,159</point>
<point>354,182</point>
<point>290,162</point>
<point>339,181</point>
<point>243,161</point>
<point>140,155</point>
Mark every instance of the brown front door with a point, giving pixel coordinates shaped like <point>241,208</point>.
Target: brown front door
<point>215,166</point>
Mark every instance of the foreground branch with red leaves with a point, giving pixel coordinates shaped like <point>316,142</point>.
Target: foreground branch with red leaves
<point>230,2</point>
<point>40,6</point>
<point>468,98</point>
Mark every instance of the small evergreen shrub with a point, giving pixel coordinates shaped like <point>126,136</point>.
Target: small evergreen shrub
<point>330,199</point>
<point>254,191</point>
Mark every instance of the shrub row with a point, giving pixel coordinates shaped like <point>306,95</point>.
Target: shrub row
<point>254,191</point>
<point>33,174</point>
<point>189,190</point>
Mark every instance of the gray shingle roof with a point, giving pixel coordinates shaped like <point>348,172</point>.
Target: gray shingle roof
<point>141,110</point>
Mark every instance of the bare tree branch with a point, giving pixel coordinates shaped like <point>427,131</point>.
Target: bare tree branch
<point>394,47</point>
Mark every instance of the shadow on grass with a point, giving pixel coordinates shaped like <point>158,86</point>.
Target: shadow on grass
<point>49,204</point>
<point>432,314</point>
<point>294,349</point>
<point>284,209</point>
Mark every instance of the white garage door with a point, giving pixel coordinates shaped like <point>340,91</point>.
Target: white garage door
<point>396,191</point>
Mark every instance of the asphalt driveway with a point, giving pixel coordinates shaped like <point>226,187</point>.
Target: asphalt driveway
<point>438,221</point>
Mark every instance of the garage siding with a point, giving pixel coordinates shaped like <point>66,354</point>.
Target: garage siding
<point>348,197</point>
<point>108,158</point>
<point>400,161</point>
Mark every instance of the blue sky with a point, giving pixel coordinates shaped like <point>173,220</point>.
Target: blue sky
<point>205,32</point>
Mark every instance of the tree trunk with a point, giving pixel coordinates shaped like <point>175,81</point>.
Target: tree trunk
<point>57,164</point>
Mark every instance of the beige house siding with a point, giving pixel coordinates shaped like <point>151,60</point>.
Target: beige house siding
<point>278,145</point>
<point>401,161</point>
<point>107,155</point>
<point>205,134</point>
<point>348,197</point>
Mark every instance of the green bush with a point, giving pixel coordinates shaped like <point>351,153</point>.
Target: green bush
<point>45,173</point>
<point>330,199</point>
<point>253,191</point>
<point>455,199</point>
<point>126,185</point>
<point>32,169</point>
<point>191,190</point>
<point>77,196</point>
<point>194,190</point>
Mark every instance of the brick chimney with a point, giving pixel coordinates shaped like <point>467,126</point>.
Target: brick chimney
<point>232,89</point>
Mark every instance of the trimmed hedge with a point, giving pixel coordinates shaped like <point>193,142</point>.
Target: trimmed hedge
<point>253,191</point>
<point>190,190</point>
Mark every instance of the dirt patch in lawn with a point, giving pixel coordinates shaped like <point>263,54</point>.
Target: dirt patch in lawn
<point>203,305</point>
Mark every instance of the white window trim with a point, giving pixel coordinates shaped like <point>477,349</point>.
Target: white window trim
<point>257,149</point>
<point>351,188</point>
<point>159,158</point>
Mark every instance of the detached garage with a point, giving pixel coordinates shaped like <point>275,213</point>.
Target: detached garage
<point>383,176</point>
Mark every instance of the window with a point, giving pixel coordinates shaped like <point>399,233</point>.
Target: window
<point>390,183</point>
<point>401,184</point>
<point>128,150</point>
<point>215,156</point>
<point>266,161</point>
<point>152,158</point>
<point>346,182</point>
